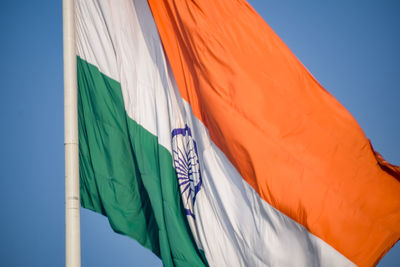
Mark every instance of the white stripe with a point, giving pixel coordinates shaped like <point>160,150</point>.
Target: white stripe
<point>233,225</point>
<point>93,30</point>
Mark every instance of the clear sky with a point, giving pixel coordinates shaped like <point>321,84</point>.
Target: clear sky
<point>351,47</point>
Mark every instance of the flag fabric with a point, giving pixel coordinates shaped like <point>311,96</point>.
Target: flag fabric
<point>202,137</point>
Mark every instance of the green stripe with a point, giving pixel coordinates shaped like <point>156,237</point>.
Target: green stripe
<point>126,175</point>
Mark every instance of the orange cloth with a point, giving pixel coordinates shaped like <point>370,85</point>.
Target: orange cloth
<point>294,143</point>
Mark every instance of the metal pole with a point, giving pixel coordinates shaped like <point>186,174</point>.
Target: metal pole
<point>72,201</point>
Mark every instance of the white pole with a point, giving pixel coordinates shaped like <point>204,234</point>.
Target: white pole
<point>72,201</point>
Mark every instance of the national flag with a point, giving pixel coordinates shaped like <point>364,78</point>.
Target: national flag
<point>205,139</point>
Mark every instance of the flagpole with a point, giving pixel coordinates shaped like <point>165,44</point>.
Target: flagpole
<point>72,201</point>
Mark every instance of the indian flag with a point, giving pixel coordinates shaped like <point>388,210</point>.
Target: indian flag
<point>203,137</point>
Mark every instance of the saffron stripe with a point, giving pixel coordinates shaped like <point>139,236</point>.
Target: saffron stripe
<point>288,137</point>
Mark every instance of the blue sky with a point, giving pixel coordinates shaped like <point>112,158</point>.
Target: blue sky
<point>351,47</point>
